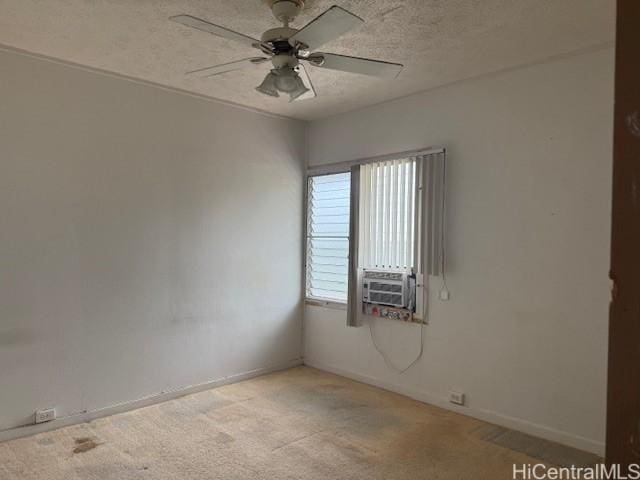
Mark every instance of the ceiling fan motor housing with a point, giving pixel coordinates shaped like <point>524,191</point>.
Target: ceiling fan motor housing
<point>278,34</point>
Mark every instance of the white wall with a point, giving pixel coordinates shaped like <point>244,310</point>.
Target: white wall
<point>529,182</point>
<point>148,240</point>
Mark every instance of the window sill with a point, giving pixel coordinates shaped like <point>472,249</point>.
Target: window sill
<point>323,302</point>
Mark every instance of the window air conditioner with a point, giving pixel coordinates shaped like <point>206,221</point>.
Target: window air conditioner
<point>388,287</point>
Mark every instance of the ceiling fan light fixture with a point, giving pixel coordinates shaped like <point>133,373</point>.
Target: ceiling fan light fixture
<point>285,79</point>
<point>268,86</point>
<point>301,89</point>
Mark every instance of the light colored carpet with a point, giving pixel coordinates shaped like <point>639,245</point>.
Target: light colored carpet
<point>297,424</point>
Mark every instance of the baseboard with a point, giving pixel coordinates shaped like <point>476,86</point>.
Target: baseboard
<point>518,424</point>
<point>87,416</point>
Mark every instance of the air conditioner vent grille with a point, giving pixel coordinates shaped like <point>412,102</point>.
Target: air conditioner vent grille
<point>385,287</point>
<point>386,298</point>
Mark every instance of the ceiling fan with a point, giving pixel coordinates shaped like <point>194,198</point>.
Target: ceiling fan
<point>286,47</point>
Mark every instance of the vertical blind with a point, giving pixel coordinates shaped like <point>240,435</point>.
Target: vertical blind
<point>387,214</point>
<point>434,166</point>
<point>328,236</point>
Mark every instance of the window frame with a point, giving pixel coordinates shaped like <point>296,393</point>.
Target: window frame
<point>309,299</point>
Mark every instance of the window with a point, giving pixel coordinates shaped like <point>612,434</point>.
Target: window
<point>328,236</point>
<point>398,209</point>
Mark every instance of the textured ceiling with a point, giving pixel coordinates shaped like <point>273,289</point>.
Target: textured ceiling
<point>439,41</point>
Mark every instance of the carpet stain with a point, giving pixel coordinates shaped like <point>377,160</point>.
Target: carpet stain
<point>223,438</point>
<point>45,441</point>
<point>85,444</point>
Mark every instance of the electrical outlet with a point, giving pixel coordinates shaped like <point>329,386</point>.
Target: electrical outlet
<point>456,397</point>
<point>45,415</point>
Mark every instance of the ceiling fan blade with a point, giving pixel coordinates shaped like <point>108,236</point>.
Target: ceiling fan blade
<point>208,27</point>
<point>364,66</point>
<point>304,75</point>
<point>228,67</point>
<point>330,25</point>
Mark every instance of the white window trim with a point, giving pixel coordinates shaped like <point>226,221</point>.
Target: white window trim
<point>325,302</point>
<point>310,299</point>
